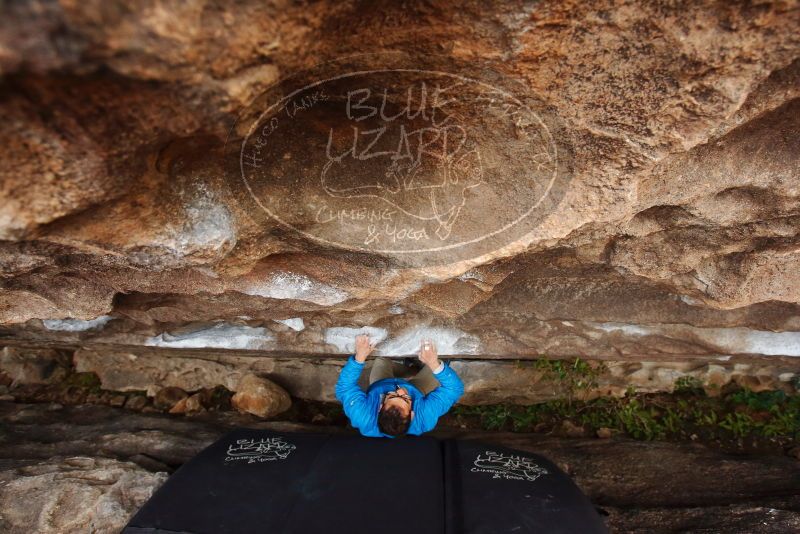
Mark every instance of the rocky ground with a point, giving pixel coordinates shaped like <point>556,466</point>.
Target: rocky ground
<point>97,429</point>
<point>107,461</point>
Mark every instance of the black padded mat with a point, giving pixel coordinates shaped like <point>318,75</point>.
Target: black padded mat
<point>355,486</point>
<point>271,482</point>
<point>495,489</point>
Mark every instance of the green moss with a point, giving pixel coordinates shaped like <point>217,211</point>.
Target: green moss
<point>639,420</point>
<point>89,381</point>
<point>495,417</point>
<point>574,377</point>
<point>738,423</point>
<point>220,395</point>
<point>688,384</point>
<point>739,414</point>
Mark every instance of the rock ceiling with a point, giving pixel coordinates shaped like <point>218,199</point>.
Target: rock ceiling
<point>563,178</point>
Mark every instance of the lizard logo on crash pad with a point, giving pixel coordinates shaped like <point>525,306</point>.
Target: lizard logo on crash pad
<point>258,450</point>
<point>509,467</point>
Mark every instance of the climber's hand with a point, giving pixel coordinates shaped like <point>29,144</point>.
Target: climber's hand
<point>363,347</point>
<point>428,355</point>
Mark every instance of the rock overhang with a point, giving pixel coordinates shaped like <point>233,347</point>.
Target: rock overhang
<point>679,203</point>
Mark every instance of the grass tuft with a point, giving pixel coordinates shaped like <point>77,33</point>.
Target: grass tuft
<point>738,414</point>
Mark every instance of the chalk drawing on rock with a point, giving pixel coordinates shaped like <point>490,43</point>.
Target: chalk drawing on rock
<point>376,155</point>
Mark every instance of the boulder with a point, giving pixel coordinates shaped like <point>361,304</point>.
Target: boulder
<point>33,365</point>
<point>73,494</point>
<point>136,402</point>
<point>168,397</point>
<point>188,404</point>
<point>260,396</point>
<point>572,430</point>
<point>117,400</point>
<point>604,432</point>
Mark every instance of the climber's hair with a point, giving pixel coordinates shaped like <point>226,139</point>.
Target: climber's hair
<point>392,421</point>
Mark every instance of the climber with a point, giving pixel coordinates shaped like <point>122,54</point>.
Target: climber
<point>394,406</point>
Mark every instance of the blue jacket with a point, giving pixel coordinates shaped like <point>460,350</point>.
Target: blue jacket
<point>362,408</point>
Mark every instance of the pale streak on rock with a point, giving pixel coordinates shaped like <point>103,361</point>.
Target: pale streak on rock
<point>447,340</point>
<point>222,336</point>
<point>298,287</point>
<point>208,225</point>
<point>295,323</point>
<point>76,325</point>
<point>344,337</point>
<point>736,340</point>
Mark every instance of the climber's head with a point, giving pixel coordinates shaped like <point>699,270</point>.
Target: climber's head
<point>396,414</point>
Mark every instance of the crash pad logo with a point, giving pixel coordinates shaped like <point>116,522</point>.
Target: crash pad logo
<point>258,450</point>
<point>509,467</point>
<point>426,166</point>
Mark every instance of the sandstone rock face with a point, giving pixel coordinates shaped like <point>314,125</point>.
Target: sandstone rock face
<point>485,382</point>
<point>260,397</point>
<point>33,366</point>
<point>147,197</point>
<point>73,494</point>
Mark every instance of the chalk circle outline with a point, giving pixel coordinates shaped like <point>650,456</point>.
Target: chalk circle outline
<point>550,143</point>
